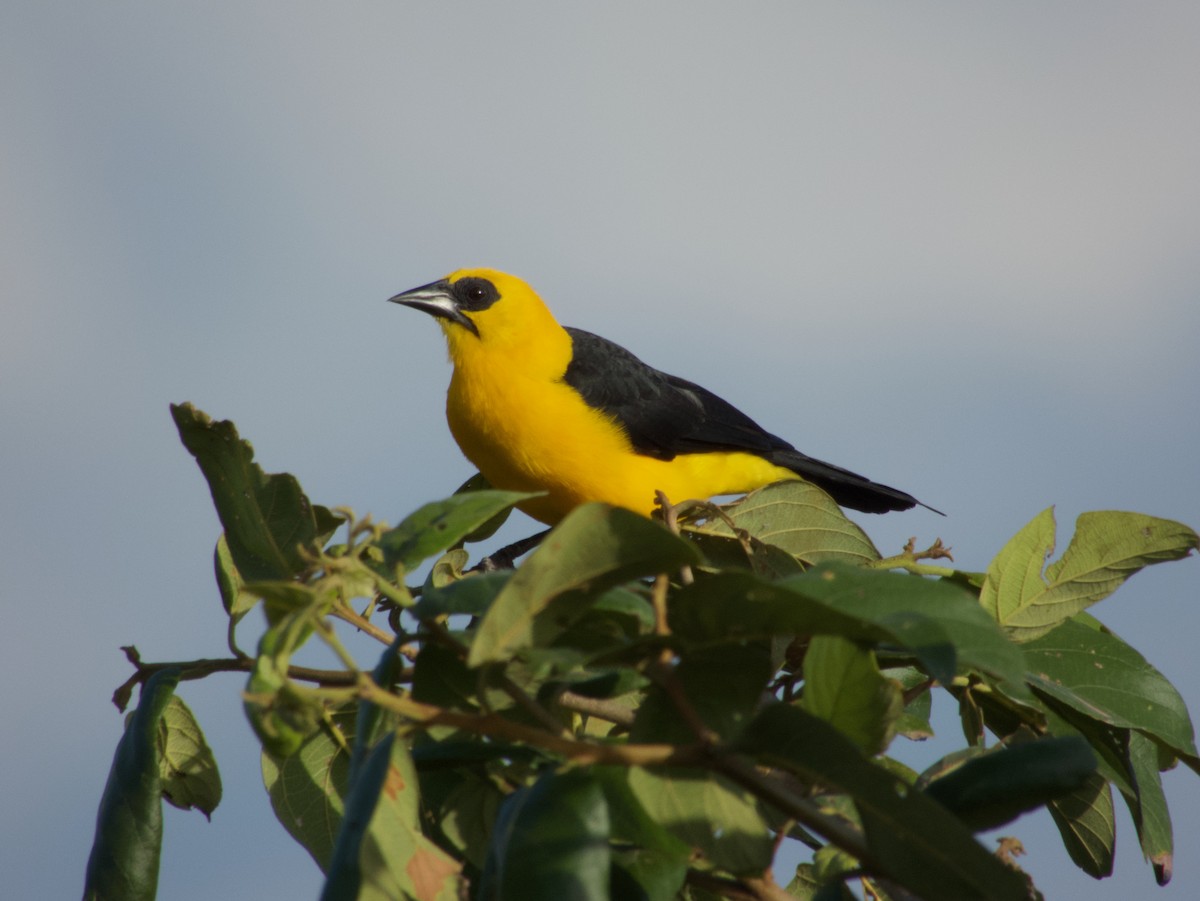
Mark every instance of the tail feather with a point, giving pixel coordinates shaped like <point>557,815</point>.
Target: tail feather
<point>848,488</point>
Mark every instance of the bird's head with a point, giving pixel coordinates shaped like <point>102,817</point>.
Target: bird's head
<point>485,309</point>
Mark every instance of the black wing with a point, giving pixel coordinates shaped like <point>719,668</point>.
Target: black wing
<point>665,415</point>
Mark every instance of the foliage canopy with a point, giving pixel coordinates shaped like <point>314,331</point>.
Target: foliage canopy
<point>649,709</point>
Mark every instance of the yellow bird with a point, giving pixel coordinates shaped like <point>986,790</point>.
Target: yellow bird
<point>539,407</point>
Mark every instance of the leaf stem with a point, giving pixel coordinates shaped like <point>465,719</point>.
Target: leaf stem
<point>345,613</point>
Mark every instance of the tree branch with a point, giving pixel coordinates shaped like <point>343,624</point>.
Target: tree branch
<point>497,726</point>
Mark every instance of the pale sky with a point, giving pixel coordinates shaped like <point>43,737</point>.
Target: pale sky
<point>956,248</point>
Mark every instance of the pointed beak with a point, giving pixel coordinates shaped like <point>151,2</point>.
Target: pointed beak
<point>437,299</point>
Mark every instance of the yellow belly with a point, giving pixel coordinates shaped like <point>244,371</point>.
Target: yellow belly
<point>576,454</point>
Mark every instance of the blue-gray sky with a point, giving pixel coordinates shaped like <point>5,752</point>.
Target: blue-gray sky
<point>954,247</point>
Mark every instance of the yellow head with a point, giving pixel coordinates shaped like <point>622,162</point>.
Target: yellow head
<point>484,312</point>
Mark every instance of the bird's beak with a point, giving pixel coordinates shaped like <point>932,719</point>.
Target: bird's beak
<point>436,299</point>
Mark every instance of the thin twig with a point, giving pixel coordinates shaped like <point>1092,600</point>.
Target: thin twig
<point>198,669</point>
<point>670,515</point>
<point>346,614</point>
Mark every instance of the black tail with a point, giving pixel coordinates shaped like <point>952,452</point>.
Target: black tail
<point>849,489</point>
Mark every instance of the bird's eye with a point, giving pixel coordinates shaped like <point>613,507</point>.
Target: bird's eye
<point>476,293</point>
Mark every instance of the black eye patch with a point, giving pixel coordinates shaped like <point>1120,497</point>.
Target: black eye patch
<point>474,293</point>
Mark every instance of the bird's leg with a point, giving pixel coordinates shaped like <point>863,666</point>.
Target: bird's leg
<point>507,555</point>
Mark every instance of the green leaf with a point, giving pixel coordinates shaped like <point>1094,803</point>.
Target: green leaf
<point>1149,807</point>
<point>804,884</point>
<point>995,787</point>
<point>728,553</point>
<point>1107,548</point>
<point>734,605</point>
<point>308,787</point>
<point>647,875</point>
<point>472,596</point>
<point>939,623</point>
<point>267,518</point>
<point>723,685</point>
<point>463,803</point>
<point>485,531</point>
<point>550,842</point>
<point>234,599</point>
<point>886,598</point>
<point>912,839</point>
<point>714,816</point>
<point>381,853</point>
<point>664,863</point>
<point>125,851</point>
<point>440,677</point>
<point>280,715</point>
<point>797,517</point>
<point>442,524</point>
<point>913,722</point>
<point>373,722</point>
<point>593,549</point>
<point>1086,822</point>
<point>844,687</point>
<point>1101,676</point>
<point>186,763</point>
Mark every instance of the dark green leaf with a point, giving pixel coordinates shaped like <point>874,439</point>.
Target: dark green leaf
<point>1101,676</point>
<point>1110,743</point>
<point>647,875</point>
<point>373,722</point>
<point>186,763</point>
<point>442,524</point>
<point>723,685</point>
<point>912,839</point>
<point>380,851</point>
<point>237,603</point>
<point>125,851</point>
<point>1088,826</point>
<point>593,549</point>
<point>1107,548</point>
<point>463,804</point>
<point>485,531</point>
<point>886,598</point>
<point>550,843</point>
<point>267,518</point>
<point>994,788</point>
<point>1149,807</point>
<point>441,677</point>
<point>733,605</point>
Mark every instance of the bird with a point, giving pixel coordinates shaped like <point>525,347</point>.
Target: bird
<point>538,407</point>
